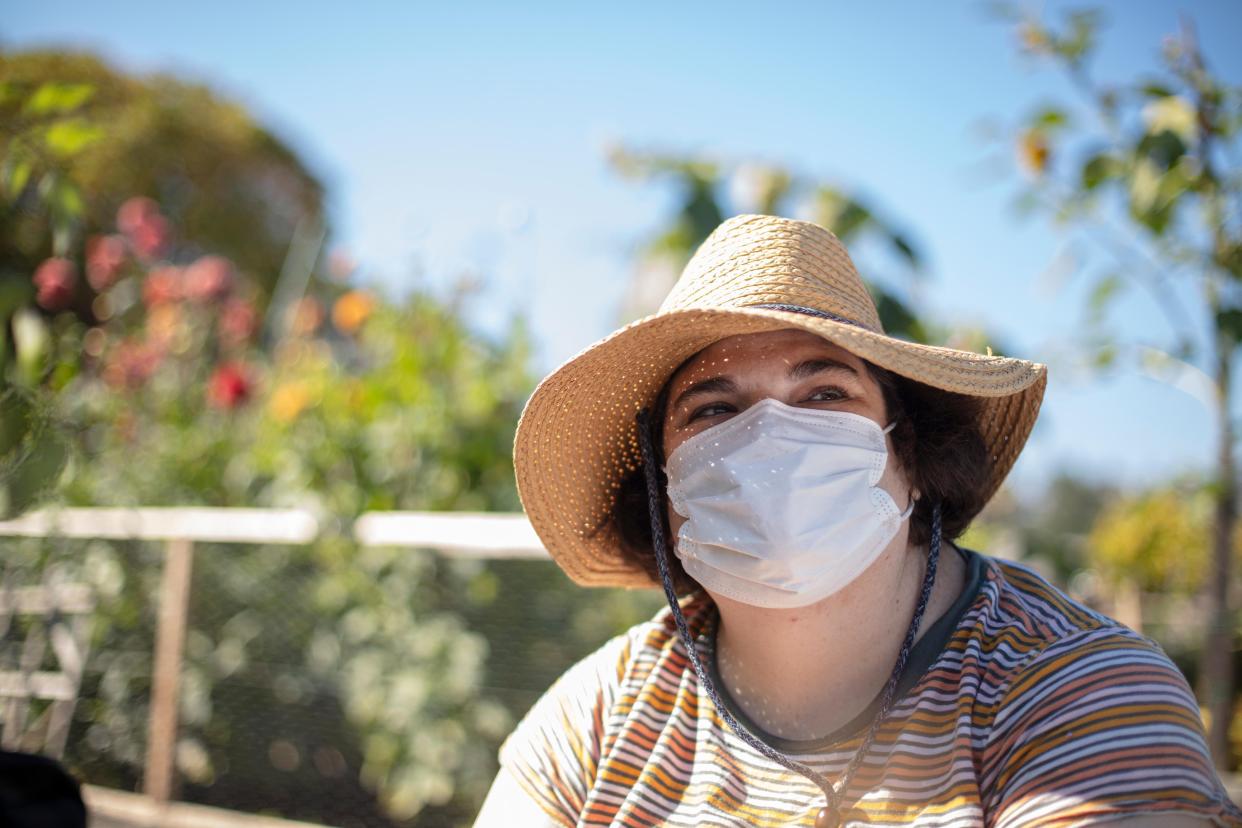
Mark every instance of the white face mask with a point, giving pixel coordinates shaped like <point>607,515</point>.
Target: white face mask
<point>781,503</point>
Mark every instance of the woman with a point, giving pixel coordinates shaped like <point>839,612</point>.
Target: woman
<point>834,658</point>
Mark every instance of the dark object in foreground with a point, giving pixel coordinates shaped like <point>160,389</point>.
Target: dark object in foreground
<point>36,792</point>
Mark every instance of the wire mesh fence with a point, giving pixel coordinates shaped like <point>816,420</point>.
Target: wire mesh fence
<point>328,682</point>
<point>342,681</point>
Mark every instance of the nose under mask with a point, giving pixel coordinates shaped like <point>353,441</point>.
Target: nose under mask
<point>782,504</point>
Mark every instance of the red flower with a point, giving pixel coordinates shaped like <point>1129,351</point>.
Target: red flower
<point>146,229</point>
<point>209,279</point>
<point>104,257</point>
<point>162,286</point>
<point>229,386</point>
<point>237,322</point>
<point>55,279</point>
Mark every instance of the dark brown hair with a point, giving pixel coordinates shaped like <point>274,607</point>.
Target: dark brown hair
<point>936,440</point>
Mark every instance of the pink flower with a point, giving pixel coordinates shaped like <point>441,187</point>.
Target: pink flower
<point>151,239</point>
<point>131,364</point>
<point>104,257</point>
<point>230,385</point>
<point>139,219</point>
<point>55,280</point>
<point>237,322</point>
<point>135,212</point>
<point>162,286</point>
<point>209,279</point>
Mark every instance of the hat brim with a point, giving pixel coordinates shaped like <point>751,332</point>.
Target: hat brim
<point>577,437</point>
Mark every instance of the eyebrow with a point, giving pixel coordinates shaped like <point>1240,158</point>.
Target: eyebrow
<point>811,367</point>
<point>724,385</point>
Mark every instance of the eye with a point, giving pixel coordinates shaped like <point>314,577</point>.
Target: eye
<point>709,410</point>
<point>829,394</point>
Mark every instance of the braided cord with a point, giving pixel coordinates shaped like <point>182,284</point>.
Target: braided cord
<point>832,792</point>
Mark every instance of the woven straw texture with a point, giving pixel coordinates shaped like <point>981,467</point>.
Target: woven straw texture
<point>577,437</point>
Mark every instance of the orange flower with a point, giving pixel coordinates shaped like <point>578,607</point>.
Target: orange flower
<point>288,401</point>
<point>165,324</point>
<point>1033,151</point>
<point>352,310</point>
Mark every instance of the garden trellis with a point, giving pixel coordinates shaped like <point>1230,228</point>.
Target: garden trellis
<point>461,535</point>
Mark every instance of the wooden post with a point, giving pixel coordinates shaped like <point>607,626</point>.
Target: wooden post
<point>166,674</point>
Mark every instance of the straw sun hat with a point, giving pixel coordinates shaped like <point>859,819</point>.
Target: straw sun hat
<point>577,438</point>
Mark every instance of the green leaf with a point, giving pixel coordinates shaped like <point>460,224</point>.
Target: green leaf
<point>67,200</point>
<point>1155,89</point>
<point>1105,290</point>
<point>1144,185</point>
<point>36,476</point>
<point>1229,257</point>
<point>52,98</point>
<point>1105,356</point>
<point>896,317</point>
<point>1098,169</point>
<point>1163,148</point>
<point>14,292</point>
<point>1050,117</point>
<point>850,220</point>
<point>904,248</point>
<point>16,176</point>
<point>16,418</point>
<point>1229,322</point>
<point>69,137</point>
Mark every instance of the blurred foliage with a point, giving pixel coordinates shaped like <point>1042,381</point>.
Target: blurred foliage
<point>709,190</point>
<point>366,404</point>
<point>77,138</point>
<point>1159,539</point>
<point>1148,172</point>
<point>34,123</point>
<point>136,326</point>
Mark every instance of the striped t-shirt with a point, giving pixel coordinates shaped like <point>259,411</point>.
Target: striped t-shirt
<point>1018,707</point>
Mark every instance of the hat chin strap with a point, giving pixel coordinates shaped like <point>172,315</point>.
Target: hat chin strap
<point>833,792</point>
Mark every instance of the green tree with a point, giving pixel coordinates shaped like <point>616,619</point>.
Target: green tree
<point>1147,171</point>
<point>1157,540</point>
<point>709,190</point>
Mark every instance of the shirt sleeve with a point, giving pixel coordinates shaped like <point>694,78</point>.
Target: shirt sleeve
<point>554,751</point>
<point>1099,727</point>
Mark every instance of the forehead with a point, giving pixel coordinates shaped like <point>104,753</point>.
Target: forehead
<point>760,351</point>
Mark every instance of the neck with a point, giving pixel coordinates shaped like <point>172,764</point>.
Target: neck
<point>804,673</point>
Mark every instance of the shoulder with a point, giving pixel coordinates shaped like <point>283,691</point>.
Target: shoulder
<point>616,670</point>
<point>1090,718</point>
<point>555,751</point>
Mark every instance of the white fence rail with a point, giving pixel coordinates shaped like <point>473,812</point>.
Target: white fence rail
<point>470,534</point>
<point>455,534</point>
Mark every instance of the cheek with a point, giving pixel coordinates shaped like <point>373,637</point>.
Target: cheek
<point>894,480</point>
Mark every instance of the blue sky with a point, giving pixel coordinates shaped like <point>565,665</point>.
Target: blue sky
<point>472,135</point>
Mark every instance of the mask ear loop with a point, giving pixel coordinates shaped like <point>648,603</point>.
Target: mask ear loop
<point>833,793</point>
